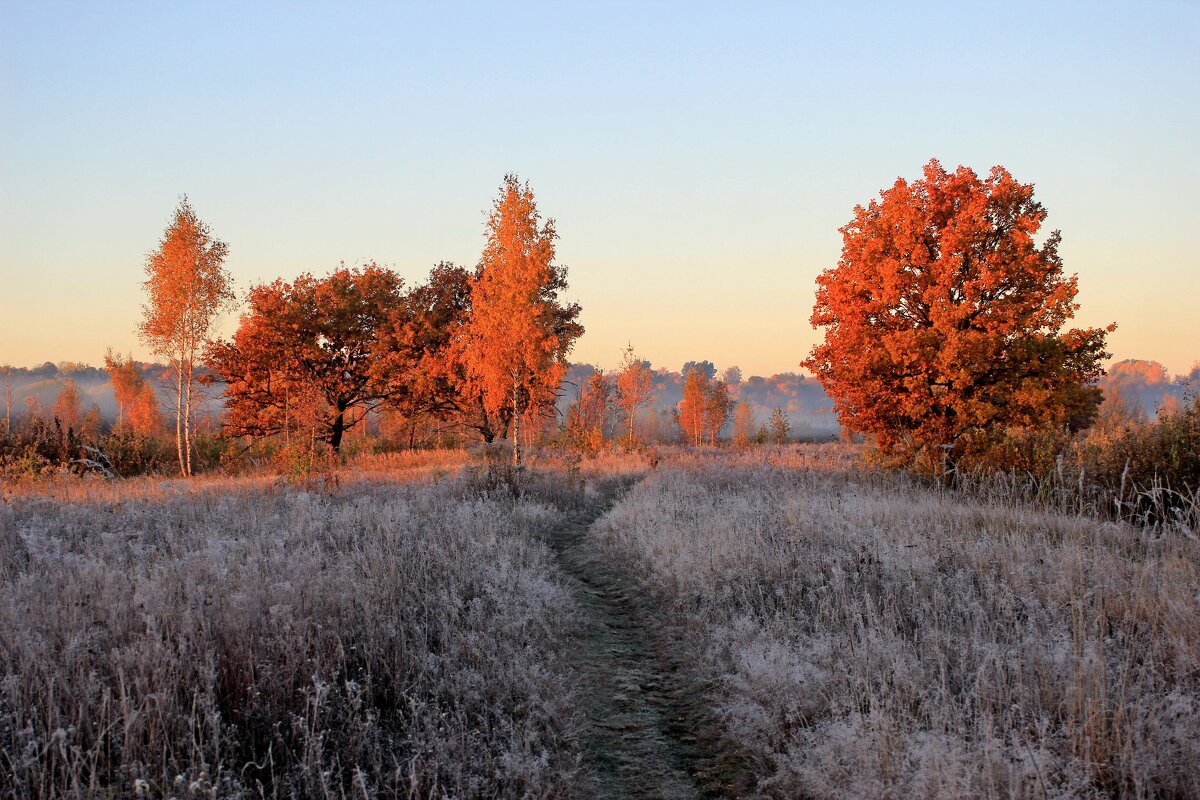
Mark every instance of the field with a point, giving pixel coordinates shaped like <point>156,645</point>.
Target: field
<point>781,622</point>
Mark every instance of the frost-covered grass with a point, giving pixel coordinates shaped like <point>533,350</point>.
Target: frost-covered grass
<point>243,637</point>
<point>868,637</point>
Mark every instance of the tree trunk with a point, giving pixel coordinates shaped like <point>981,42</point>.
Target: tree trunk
<point>339,427</point>
<point>187,414</point>
<point>516,423</point>
<point>179,416</point>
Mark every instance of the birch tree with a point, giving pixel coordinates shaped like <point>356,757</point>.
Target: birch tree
<point>186,286</point>
<point>519,333</point>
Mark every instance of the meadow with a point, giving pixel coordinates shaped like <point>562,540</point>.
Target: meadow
<point>791,623</point>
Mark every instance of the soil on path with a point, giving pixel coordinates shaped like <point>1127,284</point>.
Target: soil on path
<point>649,733</point>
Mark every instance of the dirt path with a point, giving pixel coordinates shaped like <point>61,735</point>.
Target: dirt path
<point>643,739</point>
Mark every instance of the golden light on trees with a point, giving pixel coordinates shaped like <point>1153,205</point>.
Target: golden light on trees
<point>635,387</point>
<point>186,288</point>
<point>306,354</point>
<point>944,318</point>
<point>519,333</point>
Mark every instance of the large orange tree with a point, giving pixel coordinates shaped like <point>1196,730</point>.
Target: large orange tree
<point>944,319</point>
<point>313,343</point>
<point>519,333</point>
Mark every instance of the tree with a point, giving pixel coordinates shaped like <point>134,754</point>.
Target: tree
<point>706,367</point>
<point>422,354</point>
<point>780,426</point>
<point>67,408</point>
<point>143,416</point>
<point>732,375</point>
<point>187,287</point>
<point>743,425</point>
<point>635,387</point>
<point>585,426</point>
<point>944,319</point>
<point>519,334</point>
<point>690,414</point>
<point>127,382</point>
<point>718,406</point>
<point>313,338</point>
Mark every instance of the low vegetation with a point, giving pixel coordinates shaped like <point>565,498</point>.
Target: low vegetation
<point>248,638</point>
<point>868,636</point>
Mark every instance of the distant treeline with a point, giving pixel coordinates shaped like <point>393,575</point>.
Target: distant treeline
<point>1145,388</point>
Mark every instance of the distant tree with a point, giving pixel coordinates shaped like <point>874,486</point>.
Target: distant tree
<point>67,408</point>
<point>313,338</point>
<point>519,333</point>
<point>743,425</point>
<point>763,435</point>
<point>186,287</point>
<point>780,425</point>
<point>635,387</point>
<point>732,375</point>
<point>143,416</point>
<point>585,425</point>
<point>944,319</point>
<point>691,408</point>
<point>127,382</point>
<point>706,368</point>
<point>718,407</point>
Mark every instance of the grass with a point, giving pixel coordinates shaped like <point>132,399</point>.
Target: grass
<point>866,636</point>
<point>399,627</point>
<point>247,638</point>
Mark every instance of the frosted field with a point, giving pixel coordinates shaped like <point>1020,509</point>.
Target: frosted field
<point>865,637</point>
<point>416,630</point>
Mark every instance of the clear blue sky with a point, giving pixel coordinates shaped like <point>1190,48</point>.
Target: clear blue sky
<point>699,158</point>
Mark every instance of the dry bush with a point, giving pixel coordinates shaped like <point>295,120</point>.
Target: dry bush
<point>244,638</point>
<point>870,637</point>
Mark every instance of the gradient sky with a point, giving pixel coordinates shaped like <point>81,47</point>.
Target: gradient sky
<point>699,159</point>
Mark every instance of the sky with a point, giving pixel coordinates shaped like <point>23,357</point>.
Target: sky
<point>698,158</point>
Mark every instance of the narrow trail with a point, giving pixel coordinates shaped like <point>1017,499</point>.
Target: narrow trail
<point>649,735</point>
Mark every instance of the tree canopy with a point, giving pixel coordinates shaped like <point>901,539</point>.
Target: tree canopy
<point>312,337</point>
<point>519,332</point>
<point>944,318</point>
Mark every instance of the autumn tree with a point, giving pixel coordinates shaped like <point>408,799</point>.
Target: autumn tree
<point>635,387</point>
<point>127,382</point>
<point>67,408</point>
<point>519,333</point>
<point>944,318</point>
<point>587,419</point>
<point>743,425</point>
<point>314,337</point>
<point>779,425</point>
<point>143,415</point>
<point>690,411</point>
<point>718,407</point>
<point>186,287</point>
<point>422,349</point>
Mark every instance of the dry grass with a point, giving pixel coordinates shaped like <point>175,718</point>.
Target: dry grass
<point>242,637</point>
<point>869,637</point>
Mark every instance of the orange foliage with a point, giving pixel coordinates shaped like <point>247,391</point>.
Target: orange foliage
<point>944,317</point>
<point>690,413</point>
<point>127,382</point>
<point>67,408</point>
<point>186,286</point>
<point>519,334</point>
<point>306,354</point>
<point>635,387</point>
